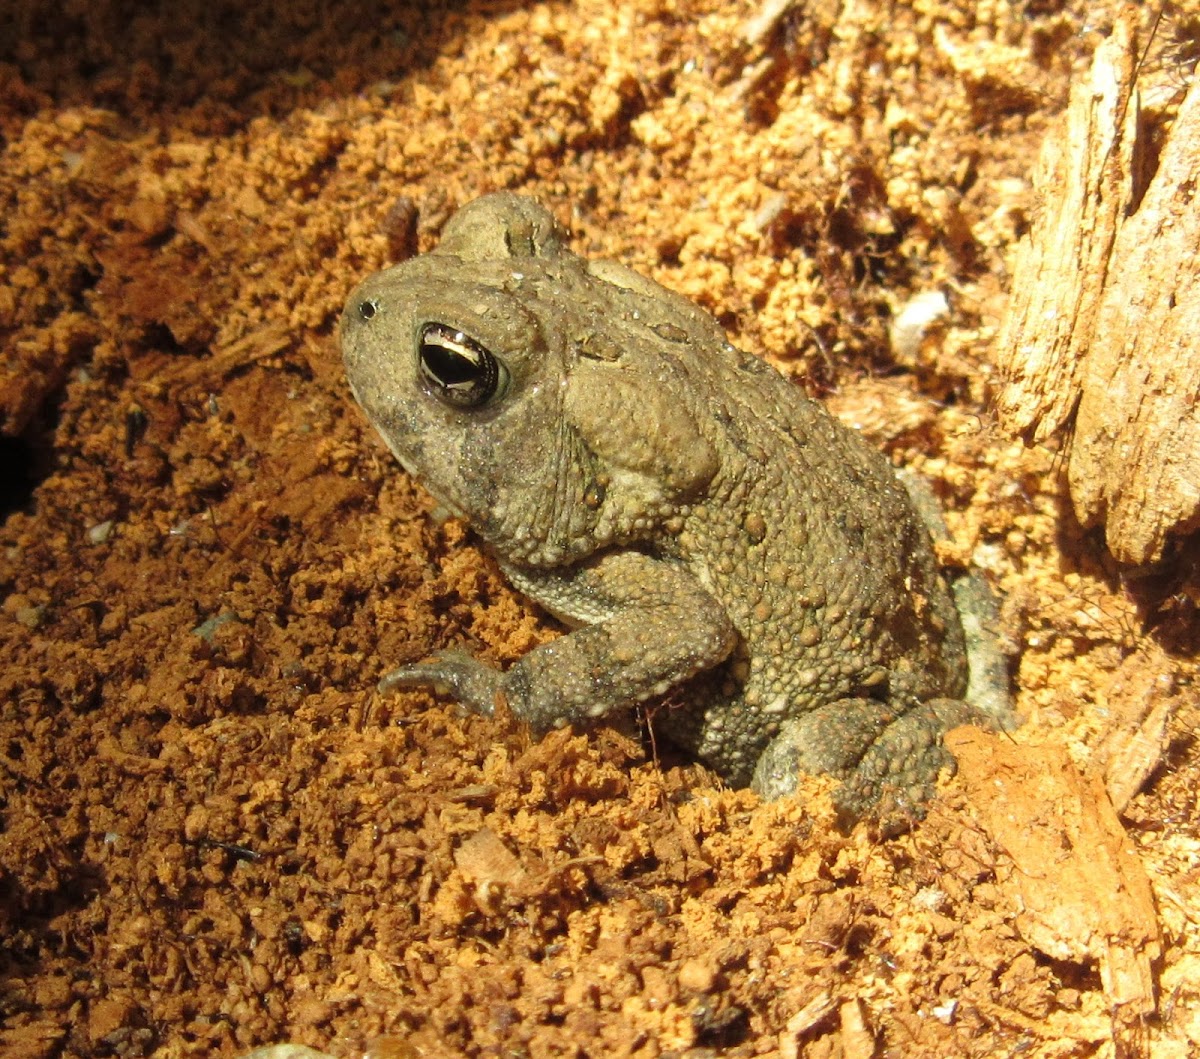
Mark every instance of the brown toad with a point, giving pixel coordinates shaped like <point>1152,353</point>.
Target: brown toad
<point>703,525</point>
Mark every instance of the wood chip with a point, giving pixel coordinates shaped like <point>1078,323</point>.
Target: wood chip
<point>1140,701</point>
<point>1068,865</point>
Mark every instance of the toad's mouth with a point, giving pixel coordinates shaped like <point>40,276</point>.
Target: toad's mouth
<point>406,461</point>
<point>407,466</point>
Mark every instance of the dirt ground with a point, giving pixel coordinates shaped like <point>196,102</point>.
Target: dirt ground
<point>216,835</point>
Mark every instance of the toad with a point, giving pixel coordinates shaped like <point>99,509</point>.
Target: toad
<point>704,528</point>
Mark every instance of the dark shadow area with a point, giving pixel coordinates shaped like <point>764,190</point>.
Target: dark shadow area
<point>32,933</point>
<point>19,474</point>
<point>225,62</point>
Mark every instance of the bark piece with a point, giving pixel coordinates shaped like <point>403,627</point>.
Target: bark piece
<point>1135,462</point>
<point>1099,338</point>
<point>1059,272</point>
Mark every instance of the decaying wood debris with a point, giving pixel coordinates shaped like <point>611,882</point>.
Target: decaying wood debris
<point>1101,333</point>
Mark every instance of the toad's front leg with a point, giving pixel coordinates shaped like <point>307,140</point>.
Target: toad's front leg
<point>646,624</point>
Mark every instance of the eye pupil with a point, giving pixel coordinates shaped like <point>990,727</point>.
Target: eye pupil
<point>458,369</point>
<point>449,367</point>
<point>367,309</point>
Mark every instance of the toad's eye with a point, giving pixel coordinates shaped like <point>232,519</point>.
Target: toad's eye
<point>368,308</point>
<point>457,368</point>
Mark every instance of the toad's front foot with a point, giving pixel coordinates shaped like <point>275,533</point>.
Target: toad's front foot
<point>454,674</point>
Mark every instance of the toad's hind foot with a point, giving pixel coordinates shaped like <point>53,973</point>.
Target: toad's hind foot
<point>888,761</point>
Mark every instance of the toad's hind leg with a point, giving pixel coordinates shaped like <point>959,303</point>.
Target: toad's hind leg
<point>888,759</point>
